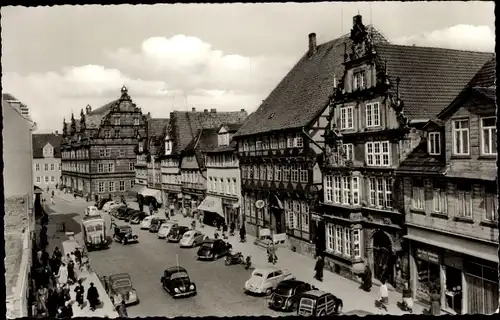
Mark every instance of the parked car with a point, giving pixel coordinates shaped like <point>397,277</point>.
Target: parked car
<point>287,294</point>
<point>265,280</point>
<point>120,286</point>
<point>108,206</point>
<point>122,215</point>
<point>146,222</point>
<point>177,283</point>
<point>177,233</point>
<point>213,249</point>
<point>99,204</point>
<point>156,224</point>
<point>129,215</point>
<point>165,228</point>
<point>319,303</point>
<point>192,238</point>
<point>138,217</point>
<point>116,210</point>
<point>92,211</point>
<point>123,234</point>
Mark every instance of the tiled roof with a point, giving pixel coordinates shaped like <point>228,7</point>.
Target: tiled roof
<point>206,139</point>
<point>486,76</point>
<point>41,139</point>
<point>232,127</point>
<point>490,93</point>
<point>419,161</point>
<point>231,147</point>
<point>304,92</point>
<point>8,96</point>
<point>185,125</point>
<point>156,126</point>
<point>431,78</point>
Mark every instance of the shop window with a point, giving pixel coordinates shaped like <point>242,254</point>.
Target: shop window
<point>428,274</point>
<point>453,292</point>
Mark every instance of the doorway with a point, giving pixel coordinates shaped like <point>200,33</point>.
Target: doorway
<point>383,266</point>
<point>279,218</point>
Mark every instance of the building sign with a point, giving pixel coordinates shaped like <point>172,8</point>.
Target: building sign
<point>427,256</point>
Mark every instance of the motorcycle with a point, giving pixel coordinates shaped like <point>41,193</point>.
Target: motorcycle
<point>236,258</point>
<point>248,262</point>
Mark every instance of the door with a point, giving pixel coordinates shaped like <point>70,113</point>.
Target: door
<point>321,306</point>
<point>271,279</point>
<point>382,257</point>
<point>330,304</point>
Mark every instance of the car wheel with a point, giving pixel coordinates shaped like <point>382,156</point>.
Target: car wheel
<point>293,307</point>
<point>268,292</point>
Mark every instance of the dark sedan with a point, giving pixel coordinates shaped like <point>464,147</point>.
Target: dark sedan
<point>155,224</point>
<point>137,217</point>
<point>213,249</point>
<point>287,295</point>
<point>177,283</point>
<point>176,233</point>
<point>130,214</point>
<point>122,215</point>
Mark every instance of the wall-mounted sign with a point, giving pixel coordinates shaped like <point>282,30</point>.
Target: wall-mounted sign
<point>427,255</point>
<point>259,204</point>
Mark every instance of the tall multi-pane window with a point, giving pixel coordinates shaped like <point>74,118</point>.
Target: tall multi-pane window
<point>111,186</point>
<point>337,189</point>
<point>37,167</point>
<point>101,187</point>
<point>346,118</point>
<point>346,190</point>
<point>100,168</point>
<point>304,218</point>
<point>372,114</point>
<point>269,172</point>
<point>295,173</point>
<point>380,190</point>
<point>46,167</point>
<point>460,137</point>
<point>282,142</point>
<point>439,200</point>
<point>304,173</point>
<point>356,243</point>
<point>286,173</point>
<point>330,237</point>
<point>274,143</point>
<point>262,172</point>
<point>417,196</point>
<point>299,143</point>
<point>378,153</point>
<point>329,188</point>
<point>111,167</point>
<point>488,136</point>
<point>434,143</point>
<point>277,172</point>
<point>464,202</point>
<point>256,172</point>
<point>348,151</point>
<point>121,185</point>
<point>359,80</point>
<point>290,142</point>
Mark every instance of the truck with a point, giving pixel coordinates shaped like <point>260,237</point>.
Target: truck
<point>94,232</point>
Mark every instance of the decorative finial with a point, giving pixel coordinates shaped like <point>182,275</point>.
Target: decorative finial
<point>124,89</point>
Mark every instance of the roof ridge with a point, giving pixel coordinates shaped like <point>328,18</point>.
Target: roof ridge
<point>438,48</point>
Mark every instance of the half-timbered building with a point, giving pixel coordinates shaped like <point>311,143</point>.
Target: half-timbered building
<point>451,202</point>
<point>281,145</point>
<point>385,95</point>
<point>97,151</point>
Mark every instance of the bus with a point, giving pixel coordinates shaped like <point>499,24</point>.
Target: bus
<point>94,232</point>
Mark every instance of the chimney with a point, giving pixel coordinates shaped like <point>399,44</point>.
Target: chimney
<point>206,110</point>
<point>57,133</point>
<point>357,20</point>
<point>193,109</point>
<point>88,109</point>
<point>312,44</point>
<point>213,110</point>
<point>243,110</point>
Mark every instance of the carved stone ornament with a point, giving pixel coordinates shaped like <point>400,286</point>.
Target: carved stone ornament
<point>387,221</point>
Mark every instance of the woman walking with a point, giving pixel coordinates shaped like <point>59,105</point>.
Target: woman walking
<point>435,302</point>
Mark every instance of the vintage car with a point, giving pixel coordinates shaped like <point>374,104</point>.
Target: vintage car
<point>265,280</point>
<point>94,232</point>
<point>92,211</point>
<point>192,238</point>
<point>99,204</point>
<point>176,282</point>
<point>108,206</point>
<point>156,224</point>
<point>146,222</point>
<point>287,294</point>
<point>115,211</point>
<point>123,234</point>
<point>177,233</point>
<point>319,303</point>
<point>123,213</point>
<point>165,228</point>
<point>213,249</point>
<point>138,217</point>
<point>120,288</point>
<point>130,214</point>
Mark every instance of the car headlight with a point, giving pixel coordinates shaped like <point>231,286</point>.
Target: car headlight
<point>176,290</point>
<point>191,287</point>
<point>288,303</point>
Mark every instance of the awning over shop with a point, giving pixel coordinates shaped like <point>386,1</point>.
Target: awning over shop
<point>147,192</point>
<point>212,204</point>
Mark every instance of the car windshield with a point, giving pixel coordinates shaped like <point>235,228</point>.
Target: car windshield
<point>98,227</point>
<point>90,228</point>
<point>165,226</point>
<point>122,283</point>
<point>187,235</point>
<point>207,245</point>
<point>257,274</point>
<point>284,291</point>
<point>179,275</point>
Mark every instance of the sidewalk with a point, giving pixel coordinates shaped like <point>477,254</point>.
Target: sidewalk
<point>302,267</point>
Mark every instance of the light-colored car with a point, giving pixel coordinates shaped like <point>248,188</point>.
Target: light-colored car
<point>165,229</point>
<point>265,280</point>
<point>92,211</point>
<point>192,238</point>
<point>120,288</point>
<point>146,222</point>
<point>108,206</point>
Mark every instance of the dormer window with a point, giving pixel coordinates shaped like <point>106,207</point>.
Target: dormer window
<point>48,151</point>
<point>141,147</point>
<point>168,147</point>
<point>359,79</point>
<point>223,139</point>
<point>434,143</point>
<point>136,122</point>
<point>117,121</point>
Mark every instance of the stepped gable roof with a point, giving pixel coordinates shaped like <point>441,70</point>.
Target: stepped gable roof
<point>431,78</point>
<point>184,126</point>
<point>40,140</point>
<point>93,119</point>
<point>419,160</point>
<point>304,92</point>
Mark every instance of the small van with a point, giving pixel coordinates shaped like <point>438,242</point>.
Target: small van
<point>319,303</point>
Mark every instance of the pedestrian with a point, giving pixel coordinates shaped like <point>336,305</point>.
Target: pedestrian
<point>407,298</point>
<point>243,233</point>
<point>320,264</point>
<point>122,309</point>
<point>44,220</point>
<point>52,199</point>
<point>71,272</point>
<point>62,275</point>
<point>93,296</point>
<point>106,285</point>
<point>224,230</point>
<point>45,258</point>
<point>66,310</point>
<point>435,302</point>
<point>80,290</point>
<point>384,295</point>
<point>232,227</point>
<point>78,257</point>
<point>184,212</point>
<point>171,210</point>
<point>39,256</point>
<point>57,253</point>
<point>367,279</point>
<point>52,302</point>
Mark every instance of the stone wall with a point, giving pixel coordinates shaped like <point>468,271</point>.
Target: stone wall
<point>302,247</point>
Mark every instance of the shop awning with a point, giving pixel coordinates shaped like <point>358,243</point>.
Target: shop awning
<point>147,192</point>
<point>453,247</point>
<point>212,204</point>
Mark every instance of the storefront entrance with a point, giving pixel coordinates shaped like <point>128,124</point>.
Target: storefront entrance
<point>428,274</point>
<point>482,288</point>
<point>383,267</point>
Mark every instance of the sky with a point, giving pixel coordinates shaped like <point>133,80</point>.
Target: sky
<point>57,60</point>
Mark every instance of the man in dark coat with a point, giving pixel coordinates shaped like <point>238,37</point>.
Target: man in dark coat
<point>320,264</point>
<point>93,296</point>
<point>57,253</point>
<point>367,279</point>
<point>45,258</point>
<point>71,271</point>
<point>79,293</point>
<point>52,303</point>
<point>242,233</point>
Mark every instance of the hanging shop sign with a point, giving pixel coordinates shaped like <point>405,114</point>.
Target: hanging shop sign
<point>427,255</point>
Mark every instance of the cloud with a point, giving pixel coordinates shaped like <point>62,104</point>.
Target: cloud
<point>462,37</point>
